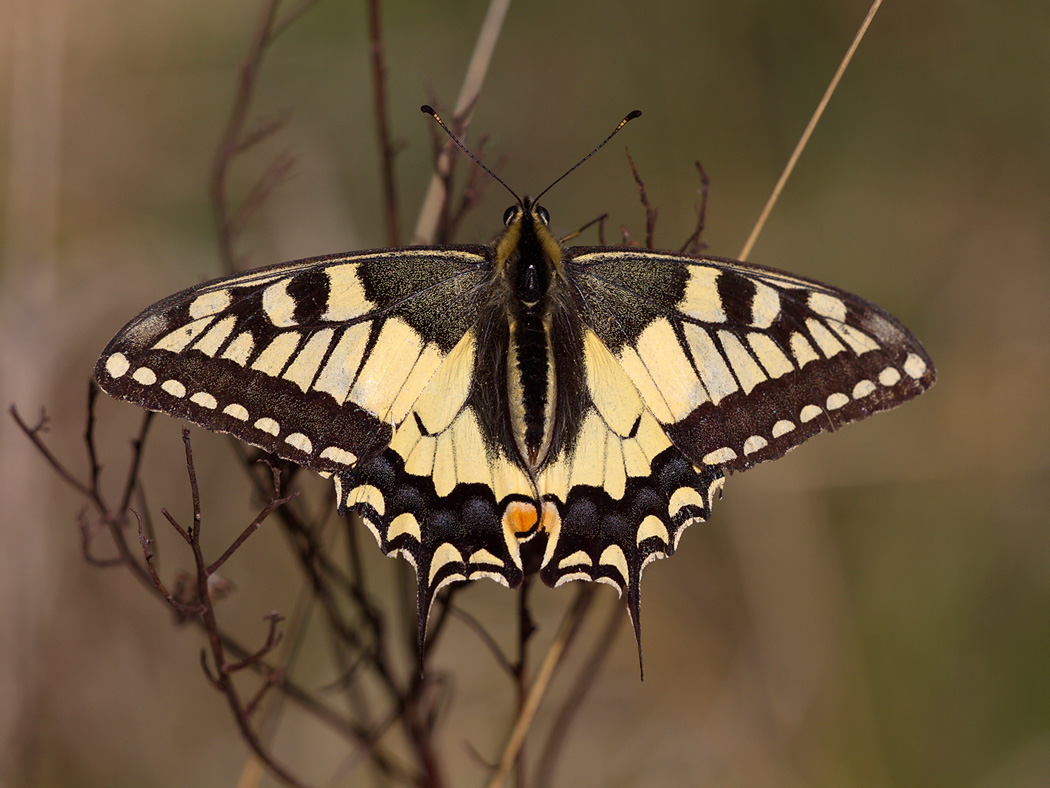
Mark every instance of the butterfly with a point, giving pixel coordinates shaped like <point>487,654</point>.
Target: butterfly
<point>490,408</point>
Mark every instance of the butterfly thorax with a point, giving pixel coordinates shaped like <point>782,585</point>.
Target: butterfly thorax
<point>529,258</point>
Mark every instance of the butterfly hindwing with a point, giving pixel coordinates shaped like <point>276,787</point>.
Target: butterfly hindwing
<point>444,493</point>
<point>313,360</point>
<point>740,363</point>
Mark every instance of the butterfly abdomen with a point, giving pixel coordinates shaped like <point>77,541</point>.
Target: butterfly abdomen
<point>531,385</point>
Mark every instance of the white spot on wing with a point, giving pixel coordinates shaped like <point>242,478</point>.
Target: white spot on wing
<point>719,456</point>
<point>117,365</point>
<point>266,424</point>
<point>863,389</point>
<point>889,376</point>
<point>145,376</point>
<point>782,427</point>
<point>837,400</point>
<point>299,441</point>
<point>174,387</point>
<point>809,413</point>
<point>914,366</point>
<point>755,443</point>
<point>336,454</point>
<point>236,411</point>
<point>205,400</point>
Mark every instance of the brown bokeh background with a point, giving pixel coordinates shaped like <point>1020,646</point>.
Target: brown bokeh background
<point>872,610</point>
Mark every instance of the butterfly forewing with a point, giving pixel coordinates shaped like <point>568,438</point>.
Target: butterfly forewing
<point>313,360</point>
<point>740,363</point>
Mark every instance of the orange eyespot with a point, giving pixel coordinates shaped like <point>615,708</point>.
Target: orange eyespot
<point>520,517</point>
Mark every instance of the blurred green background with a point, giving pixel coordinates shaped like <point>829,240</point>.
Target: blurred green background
<point>872,610</point>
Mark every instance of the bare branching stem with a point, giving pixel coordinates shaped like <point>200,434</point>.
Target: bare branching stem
<point>650,212</point>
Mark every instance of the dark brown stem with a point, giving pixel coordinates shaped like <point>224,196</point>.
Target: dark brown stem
<point>231,142</point>
<point>650,211</point>
<point>386,145</point>
<point>694,244</point>
<point>275,502</point>
<point>33,433</point>
<point>223,678</point>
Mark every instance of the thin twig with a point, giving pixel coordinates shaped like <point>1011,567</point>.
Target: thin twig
<point>650,212</point>
<point>33,433</point>
<point>89,436</point>
<point>386,145</point>
<point>694,244</point>
<point>600,221</point>
<point>539,687</point>
<point>430,212</point>
<point>223,679</point>
<point>486,638</point>
<point>275,502</point>
<point>573,701</point>
<point>138,444</point>
<point>804,139</point>
<point>231,140</point>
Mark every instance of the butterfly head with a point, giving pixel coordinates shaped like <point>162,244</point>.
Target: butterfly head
<point>527,251</point>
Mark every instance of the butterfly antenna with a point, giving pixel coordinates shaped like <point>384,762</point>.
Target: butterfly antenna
<point>630,116</point>
<point>429,110</point>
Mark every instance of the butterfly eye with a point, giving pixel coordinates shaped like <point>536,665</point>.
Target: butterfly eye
<point>509,214</point>
<point>544,216</point>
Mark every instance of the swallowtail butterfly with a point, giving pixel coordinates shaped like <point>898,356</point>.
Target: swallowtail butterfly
<point>478,405</point>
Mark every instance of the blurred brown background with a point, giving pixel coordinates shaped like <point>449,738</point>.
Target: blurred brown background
<point>872,610</point>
